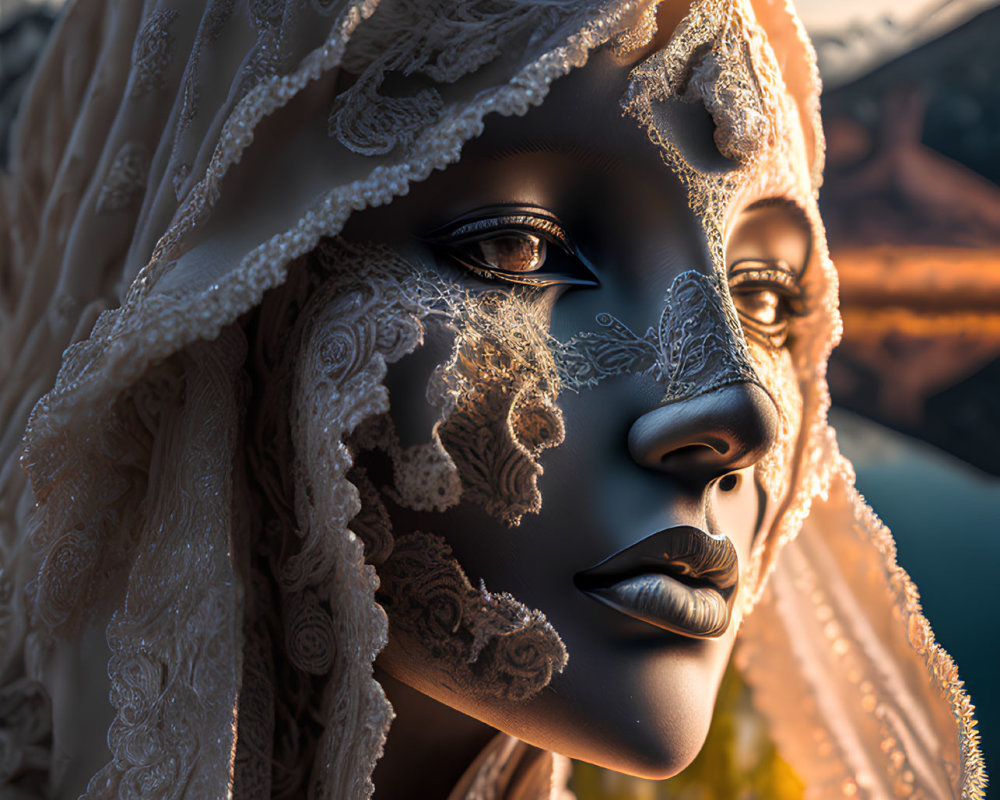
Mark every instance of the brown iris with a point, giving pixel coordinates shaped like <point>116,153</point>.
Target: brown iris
<point>513,252</point>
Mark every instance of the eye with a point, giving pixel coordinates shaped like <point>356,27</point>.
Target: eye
<point>525,245</point>
<point>767,295</point>
<point>512,252</point>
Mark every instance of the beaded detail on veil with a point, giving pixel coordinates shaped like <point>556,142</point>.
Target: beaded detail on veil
<point>183,176</point>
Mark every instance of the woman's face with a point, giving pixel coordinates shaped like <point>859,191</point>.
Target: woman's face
<point>615,507</point>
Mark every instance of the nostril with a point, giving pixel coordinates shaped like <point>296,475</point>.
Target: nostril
<point>690,451</point>
<point>728,482</point>
<point>708,447</point>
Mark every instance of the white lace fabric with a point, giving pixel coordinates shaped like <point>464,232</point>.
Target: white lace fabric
<point>192,152</point>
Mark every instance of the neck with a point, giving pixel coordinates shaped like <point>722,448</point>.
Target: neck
<point>429,746</point>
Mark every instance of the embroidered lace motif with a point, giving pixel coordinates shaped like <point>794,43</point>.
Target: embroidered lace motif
<point>455,39</point>
<point>481,643</point>
<point>175,683</point>
<point>696,347</point>
<point>153,53</point>
<point>125,182</point>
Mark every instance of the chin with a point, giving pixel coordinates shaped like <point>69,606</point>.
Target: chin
<point>649,731</point>
<point>653,754</point>
<point>642,709</point>
<point>652,746</point>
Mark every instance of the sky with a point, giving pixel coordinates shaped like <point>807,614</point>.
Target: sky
<point>869,33</point>
<point>824,15</point>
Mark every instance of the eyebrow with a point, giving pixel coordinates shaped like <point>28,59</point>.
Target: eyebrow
<point>587,155</point>
<point>797,216</point>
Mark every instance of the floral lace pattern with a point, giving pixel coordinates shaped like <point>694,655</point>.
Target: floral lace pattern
<point>482,643</point>
<point>174,682</point>
<point>497,396</point>
<point>460,39</point>
<point>696,347</point>
<point>125,182</point>
<point>362,319</point>
<point>153,52</point>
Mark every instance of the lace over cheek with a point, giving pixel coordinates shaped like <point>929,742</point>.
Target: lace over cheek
<point>478,642</point>
<point>499,390</point>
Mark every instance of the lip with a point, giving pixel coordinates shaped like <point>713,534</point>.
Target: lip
<point>680,579</point>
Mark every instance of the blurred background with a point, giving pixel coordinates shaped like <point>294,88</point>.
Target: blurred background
<point>911,201</point>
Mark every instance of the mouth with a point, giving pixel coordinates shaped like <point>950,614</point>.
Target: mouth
<point>680,579</point>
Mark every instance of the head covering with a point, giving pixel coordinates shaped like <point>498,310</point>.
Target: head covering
<point>172,161</point>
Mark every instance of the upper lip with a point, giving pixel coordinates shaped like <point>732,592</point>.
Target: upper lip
<point>689,555</point>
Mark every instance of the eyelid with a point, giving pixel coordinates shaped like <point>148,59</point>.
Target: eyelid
<point>476,224</point>
<point>790,209</point>
<point>793,213</point>
<point>774,273</point>
<point>543,225</point>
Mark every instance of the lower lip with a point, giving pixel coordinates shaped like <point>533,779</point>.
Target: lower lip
<point>667,603</point>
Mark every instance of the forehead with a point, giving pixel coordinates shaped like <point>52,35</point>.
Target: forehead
<point>720,61</point>
<point>702,104</point>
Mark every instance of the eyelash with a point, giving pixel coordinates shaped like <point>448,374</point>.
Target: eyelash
<point>749,278</point>
<point>523,228</point>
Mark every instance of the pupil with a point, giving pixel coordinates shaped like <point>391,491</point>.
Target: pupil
<point>728,482</point>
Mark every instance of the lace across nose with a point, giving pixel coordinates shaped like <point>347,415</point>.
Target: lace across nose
<point>704,437</point>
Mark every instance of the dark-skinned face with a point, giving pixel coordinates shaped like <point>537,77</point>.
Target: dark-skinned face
<point>576,192</point>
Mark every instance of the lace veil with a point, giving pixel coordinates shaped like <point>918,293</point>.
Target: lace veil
<point>167,171</point>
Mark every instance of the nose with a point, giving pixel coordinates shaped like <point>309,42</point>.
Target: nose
<point>704,437</point>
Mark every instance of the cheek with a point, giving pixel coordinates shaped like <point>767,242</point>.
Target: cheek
<point>494,391</point>
<point>775,369</point>
<point>497,396</point>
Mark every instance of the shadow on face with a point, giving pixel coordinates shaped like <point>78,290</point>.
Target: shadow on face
<point>604,412</point>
